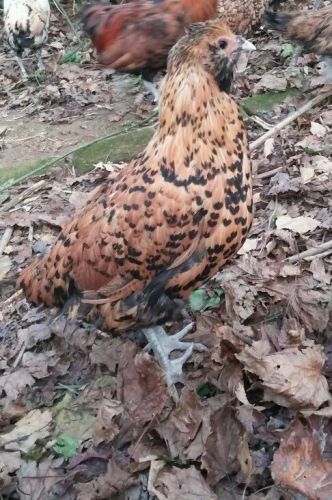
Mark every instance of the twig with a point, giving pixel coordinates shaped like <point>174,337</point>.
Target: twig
<point>20,197</point>
<point>13,297</point>
<point>5,238</point>
<point>65,15</point>
<point>268,173</point>
<point>311,252</point>
<point>290,118</point>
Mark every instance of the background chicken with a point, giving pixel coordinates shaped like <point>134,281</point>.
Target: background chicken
<point>171,218</point>
<point>312,29</point>
<point>136,37</point>
<point>26,27</point>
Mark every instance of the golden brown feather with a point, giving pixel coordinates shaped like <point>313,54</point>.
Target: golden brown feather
<point>171,218</point>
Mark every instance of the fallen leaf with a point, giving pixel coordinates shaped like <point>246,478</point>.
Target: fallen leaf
<point>35,425</point>
<point>318,129</point>
<point>5,265</point>
<point>172,483</point>
<point>182,426</point>
<point>249,245</point>
<point>9,464</point>
<point>141,385</point>
<point>16,383</point>
<point>105,428</point>
<point>66,446</point>
<point>117,479</point>
<point>299,463</point>
<point>268,147</point>
<point>270,81</point>
<point>299,225</point>
<point>220,457</point>
<point>36,480</point>
<point>291,377</point>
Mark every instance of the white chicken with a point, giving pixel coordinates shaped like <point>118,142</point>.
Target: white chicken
<point>26,27</point>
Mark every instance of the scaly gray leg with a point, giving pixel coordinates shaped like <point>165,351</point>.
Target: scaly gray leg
<point>163,344</point>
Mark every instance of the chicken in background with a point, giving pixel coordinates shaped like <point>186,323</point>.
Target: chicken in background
<point>137,36</point>
<point>26,27</point>
<point>311,28</point>
<point>171,218</point>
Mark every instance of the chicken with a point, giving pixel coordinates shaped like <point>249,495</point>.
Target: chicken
<point>136,37</point>
<point>170,219</point>
<point>311,28</point>
<point>26,27</point>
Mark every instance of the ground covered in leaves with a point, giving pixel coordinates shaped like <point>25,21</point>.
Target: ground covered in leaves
<point>86,415</point>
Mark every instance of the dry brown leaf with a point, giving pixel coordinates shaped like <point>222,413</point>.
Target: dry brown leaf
<point>182,426</point>
<point>36,480</point>
<point>299,463</point>
<point>9,464</point>
<point>16,383</point>
<point>35,425</point>
<point>117,479</point>
<point>141,385</point>
<point>172,483</point>
<point>105,428</point>
<point>5,265</point>
<point>223,440</point>
<point>299,225</point>
<point>291,377</point>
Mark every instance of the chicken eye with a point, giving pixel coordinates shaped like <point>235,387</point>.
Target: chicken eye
<point>223,44</point>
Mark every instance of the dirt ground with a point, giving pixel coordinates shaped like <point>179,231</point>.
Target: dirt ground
<point>86,414</point>
<point>74,103</point>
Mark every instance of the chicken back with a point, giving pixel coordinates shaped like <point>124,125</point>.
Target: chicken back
<point>171,218</point>
<point>138,35</point>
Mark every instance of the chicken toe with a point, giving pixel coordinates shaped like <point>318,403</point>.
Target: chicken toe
<point>162,346</point>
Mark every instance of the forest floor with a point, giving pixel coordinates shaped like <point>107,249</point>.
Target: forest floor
<point>85,414</point>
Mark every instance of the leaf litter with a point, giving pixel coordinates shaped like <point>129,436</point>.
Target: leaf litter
<point>86,415</point>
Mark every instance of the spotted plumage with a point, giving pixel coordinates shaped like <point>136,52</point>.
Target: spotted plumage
<point>171,218</point>
<point>26,25</point>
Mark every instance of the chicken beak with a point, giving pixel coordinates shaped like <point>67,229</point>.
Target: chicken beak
<point>244,45</point>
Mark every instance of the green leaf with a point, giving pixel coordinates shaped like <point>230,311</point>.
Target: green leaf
<point>287,50</point>
<point>136,79</point>
<point>200,300</point>
<point>206,391</point>
<point>66,446</point>
<point>71,56</point>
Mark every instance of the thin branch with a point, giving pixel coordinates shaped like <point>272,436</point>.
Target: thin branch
<point>20,197</point>
<point>67,18</point>
<point>5,238</point>
<point>311,252</point>
<point>290,118</point>
<point>268,173</point>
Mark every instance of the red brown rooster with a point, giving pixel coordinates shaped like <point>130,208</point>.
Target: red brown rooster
<point>170,219</point>
<point>137,36</point>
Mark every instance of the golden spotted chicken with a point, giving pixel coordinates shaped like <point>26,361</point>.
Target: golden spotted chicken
<point>26,25</point>
<point>173,217</point>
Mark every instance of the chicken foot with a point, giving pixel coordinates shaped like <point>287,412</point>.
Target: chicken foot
<point>162,346</point>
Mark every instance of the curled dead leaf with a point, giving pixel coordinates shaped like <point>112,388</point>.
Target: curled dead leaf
<point>291,377</point>
<point>172,483</point>
<point>299,463</point>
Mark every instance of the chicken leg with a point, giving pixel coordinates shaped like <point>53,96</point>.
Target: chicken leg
<point>162,346</point>
<point>19,61</point>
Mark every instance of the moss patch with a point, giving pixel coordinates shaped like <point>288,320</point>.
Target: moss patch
<point>122,147</point>
<point>262,103</point>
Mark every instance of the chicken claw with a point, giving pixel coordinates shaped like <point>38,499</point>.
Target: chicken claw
<point>163,344</point>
